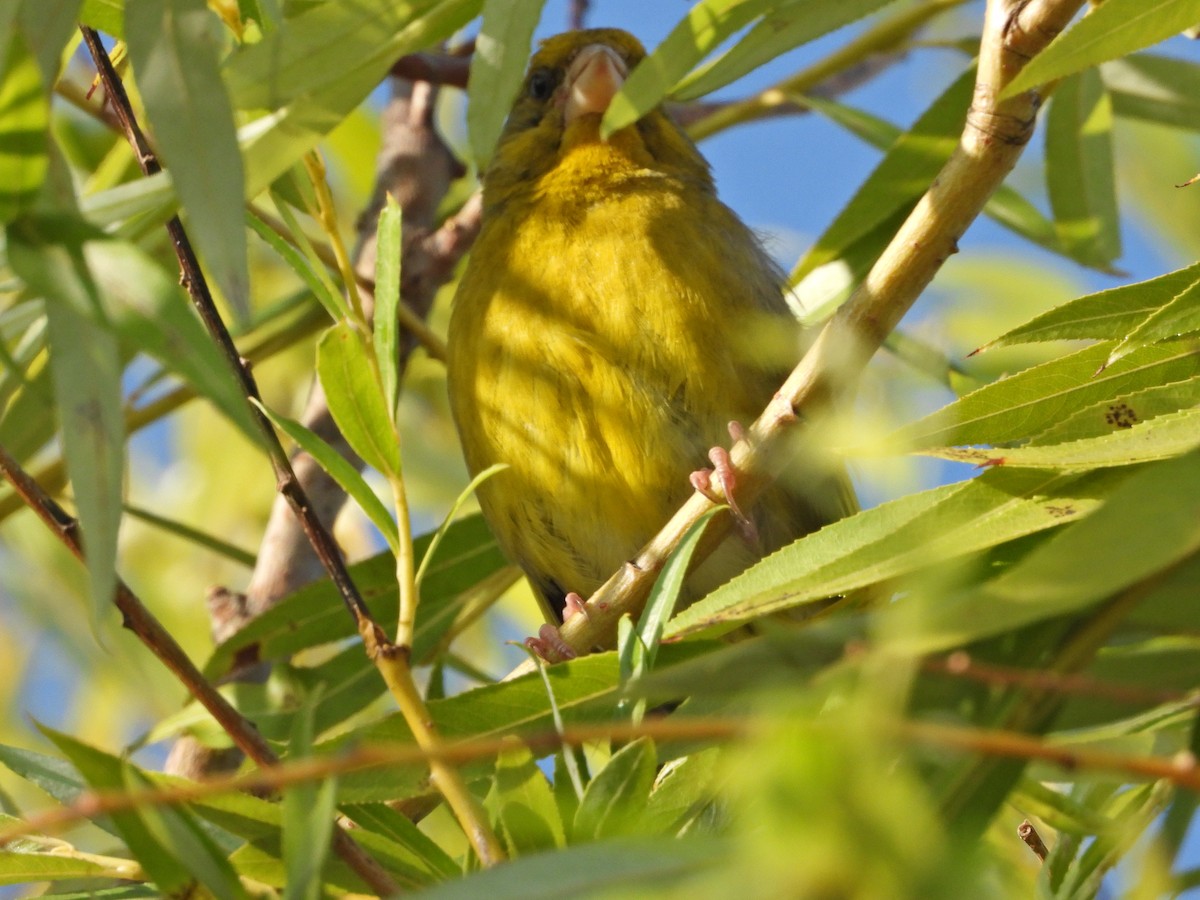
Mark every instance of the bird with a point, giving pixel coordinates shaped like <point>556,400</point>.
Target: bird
<point>613,318</point>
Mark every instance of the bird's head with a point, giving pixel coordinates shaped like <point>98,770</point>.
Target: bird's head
<point>568,87</point>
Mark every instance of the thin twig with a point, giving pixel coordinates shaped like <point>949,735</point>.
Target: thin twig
<point>139,620</point>
<point>1027,833</point>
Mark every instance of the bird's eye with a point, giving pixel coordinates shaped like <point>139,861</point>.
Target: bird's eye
<point>541,84</point>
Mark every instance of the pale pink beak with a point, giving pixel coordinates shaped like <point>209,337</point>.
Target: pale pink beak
<point>595,76</point>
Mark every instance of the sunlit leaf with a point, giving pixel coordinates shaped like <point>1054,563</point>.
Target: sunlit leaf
<point>897,538</point>
<point>1080,176</point>
<point>24,118</point>
<point>385,336</point>
<point>1110,30</point>
<point>522,803</point>
<point>173,48</point>
<point>501,49</point>
<point>1159,89</point>
<point>355,397</point>
<point>1165,436</point>
<point>788,25</point>
<point>707,24</point>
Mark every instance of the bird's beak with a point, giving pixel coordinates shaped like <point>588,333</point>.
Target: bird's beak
<point>595,76</point>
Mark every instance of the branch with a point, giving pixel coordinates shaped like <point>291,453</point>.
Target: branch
<point>197,288</point>
<point>139,620</point>
<point>994,135</point>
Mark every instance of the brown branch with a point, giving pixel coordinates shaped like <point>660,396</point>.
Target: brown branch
<point>994,136</point>
<point>139,620</point>
<point>197,287</point>
<point>1027,833</point>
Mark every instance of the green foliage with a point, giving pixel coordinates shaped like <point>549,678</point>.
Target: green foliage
<point>869,712</point>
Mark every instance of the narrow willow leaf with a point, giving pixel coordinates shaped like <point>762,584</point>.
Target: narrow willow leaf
<point>1080,177</point>
<point>9,10</point>
<point>1107,416</point>
<point>308,813</point>
<point>24,120</point>
<point>166,842</point>
<point>497,66</point>
<point>462,498</point>
<point>637,656</point>
<point>1028,402</point>
<point>901,177</point>
<point>1150,522</point>
<point>48,26</point>
<point>895,539</point>
<point>707,24</point>
<point>318,65</point>
<point>1110,30</point>
<point>1178,317</point>
<point>27,866</point>
<point>1006,206</point>
<point>381,819</point>
<point>1159,89</point>
<point>173,48</point>
<point>522,803</point>
<point>385,335</point>
<point>616,795</point>
<point>787,26</point>
<point>621,867</point>
<point>149,310</point>
<point>1165,436</point>
<point>296,261</point>
<point>313,615</point>
<point>345,474</point>
<point>355,397</point>
<point>1107,315</point>
<point>104,15</point>
<point>86,368</point>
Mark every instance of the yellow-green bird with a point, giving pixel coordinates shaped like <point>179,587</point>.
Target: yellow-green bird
<point>611,321</point>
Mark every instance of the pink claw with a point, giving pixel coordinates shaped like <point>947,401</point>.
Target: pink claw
<point>723,468</point>
<point>550,646</point>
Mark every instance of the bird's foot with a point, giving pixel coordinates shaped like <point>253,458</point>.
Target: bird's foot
<point>726,476</point>
<point>549,643</point>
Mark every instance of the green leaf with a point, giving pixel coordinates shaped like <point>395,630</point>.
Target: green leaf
<point>25,865</point>
<point>24,122</point>
<point>381,819</point>
<point>497,66</point>
<point>522,803</point>
<point>705,27</point>
<point>1109,415</point>
<point>149,311</point>
<point>1080,177</point>
<point>1028,402</point>
<point>1155,89</point>
<point>319,64</point>
<point>615,797</point>
<point>341,471</point>
<point>901,177</point>
<point>298,263</point>
<point>172,45</point>
<point>637,655</point>
<point>355,398</point>
<point>621,867</point>
<point>104,15</point>
<point>1115,28</point>
<point>168,843</point>
<point>313,615</point>
<point>1095,558</point>
<point>787,26</point>
<point>86,368</point>
<point>308,812</point>
<point>1159,438</point>
<point>385,335</point>
<point>1180,316</point>
<point>48,27</point>
<point>898,538</point>
<point>1006,206</point>
<point>1107,315</point>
